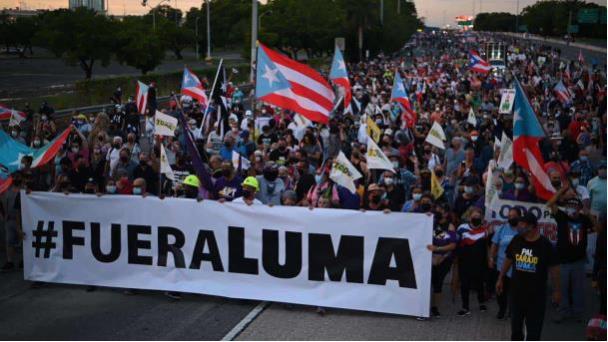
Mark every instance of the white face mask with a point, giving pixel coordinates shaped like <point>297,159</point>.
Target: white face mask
<point>469,189</point>
<point>110,189</point>
<point>575,182</point>
<point>389,181</point>
<point>474,138</point>
<point>396,164</point>
<point>416,197</point>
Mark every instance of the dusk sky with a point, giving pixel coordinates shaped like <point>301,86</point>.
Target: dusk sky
<point>437,12</point>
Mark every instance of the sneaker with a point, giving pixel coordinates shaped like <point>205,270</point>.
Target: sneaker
<point>91,288</point>
<point>435,312</point>
<point>463,313</point>
<point>321,311</point>
<point>173,295</point>
<point>420,318</point>
<point>9,266</point>
<point>483,308</point>
<point>36,285</point>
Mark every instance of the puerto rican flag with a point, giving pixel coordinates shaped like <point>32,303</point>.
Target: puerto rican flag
<point>192,86</point>
<point>285,83</point>
<point>581,58</point>
<point>477,64</point>
<point>562,93</point>
<point>7,113</point>
<point>469,236</point>
<point>5,181</point>
<point>339,76</point>
<point>527,132</point>
<point>141,98</point>
<point>399,95</point>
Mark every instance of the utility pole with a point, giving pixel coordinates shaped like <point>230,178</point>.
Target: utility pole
<point>208,30</point>
<point>196,35</point>
<point>517,18</point>
<point>398,6</point>
<point>381,12</point>
<point>254,36</point>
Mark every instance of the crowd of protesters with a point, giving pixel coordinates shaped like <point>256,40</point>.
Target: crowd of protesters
<point>112,153</point>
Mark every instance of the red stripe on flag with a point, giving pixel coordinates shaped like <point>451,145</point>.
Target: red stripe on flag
<point>289,103</point>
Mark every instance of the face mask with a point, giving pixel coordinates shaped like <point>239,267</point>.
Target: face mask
<point>439,174</point>
<point>110,189</point>
<point>395,164</point>
<point>556,184</point>
<point>513,222</point>
<point>575,182</point>
<point>476,222</point>
<point>191,192</point>
<point>124,159</point>
<point>474,138</point>
<point>14,134</point>
<point>602,174</point>
<point>520,186</point>
<point>571,211</point>
<point>271,175</point>
<point>379,122</point>
<point>389,181</point>
<point>376,198</point>
<point>36,143</point>
<point>425,207</point>
<point>137,191</point>
<point>469,189</point>
<point>89,191</point>
<point>75,149</point>
<point>22,166</point>
<point>44,118</point>
<point>416,197</point>
<point>523,230</point>
<point>318,179</point>
<point>247,193</point>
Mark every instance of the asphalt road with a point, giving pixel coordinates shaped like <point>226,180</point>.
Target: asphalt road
<point>571,52</point>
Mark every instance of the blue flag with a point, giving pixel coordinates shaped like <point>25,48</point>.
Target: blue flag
<point>197,163</point>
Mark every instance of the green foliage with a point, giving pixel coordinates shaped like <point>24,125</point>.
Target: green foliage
<point>138,45</point>
<point>548,18</point>
<point>18,33</point>
<point>79,37</point>
<point>175,38</point>
<point>495,22</point>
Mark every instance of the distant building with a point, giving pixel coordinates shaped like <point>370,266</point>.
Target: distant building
<point>97,5</point>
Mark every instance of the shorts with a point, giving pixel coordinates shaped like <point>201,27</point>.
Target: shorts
<point>438,274</point>
<point>10,233</point>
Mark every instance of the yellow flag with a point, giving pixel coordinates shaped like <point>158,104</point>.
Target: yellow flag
<point>373,130</point>
<point>436,188</point>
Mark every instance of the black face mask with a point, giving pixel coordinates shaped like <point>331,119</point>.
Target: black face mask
<point>425,207</point>
<point>556,184</point>
<point>439,173</point>
<point>227,173</point>
<point>476,222</point>
<point>124,159</point>
<point>191,192</point>
<point>375,198</point>
<point>247,193</point>
<point>89,191</point>
<point>513,222</point>
<point>271,175</point>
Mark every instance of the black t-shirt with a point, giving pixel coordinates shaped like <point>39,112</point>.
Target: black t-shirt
<point>531,262</point>
<point>571,237</point>
<point>396,198</point>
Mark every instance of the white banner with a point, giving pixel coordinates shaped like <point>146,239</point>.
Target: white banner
<point>164,125</point>
<point>498,213</point>
<point>327,257</point>
<point>506,101</point>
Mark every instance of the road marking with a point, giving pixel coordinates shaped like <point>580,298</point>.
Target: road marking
<point>232,334</point>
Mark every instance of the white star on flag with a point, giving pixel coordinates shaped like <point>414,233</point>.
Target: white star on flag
<point>18,161</point>
<point>341,65</point>
<point>400,87</point>
<point>270,75</point>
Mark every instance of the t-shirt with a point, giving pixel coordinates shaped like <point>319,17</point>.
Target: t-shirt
<point>228,189</point>
<point>597,190</point>
<point>531,262</point>
<point>241,200</point>
<point>502,238</point>
<point>443,237</point>
<point>571,237</point>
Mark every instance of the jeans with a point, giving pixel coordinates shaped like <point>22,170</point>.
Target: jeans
<point>572,284</point>
<point>530,311</point>
<point>502,298</point>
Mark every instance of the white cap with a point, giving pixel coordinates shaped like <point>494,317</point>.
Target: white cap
<point>248,113</point>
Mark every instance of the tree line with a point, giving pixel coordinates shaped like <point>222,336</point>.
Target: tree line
<point>548,18</point>
<point>85,38</point>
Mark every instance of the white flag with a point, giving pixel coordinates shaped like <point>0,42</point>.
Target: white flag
<point>344,173</point>
<point>505,159</point>
<point>472,119</point>
<point>376,159</point>
<point>164,164</point>
<point>16,118</point>
<point>164,125</point>
<point>245,163</point>
<point>506,101</point>
<point>491,191</point>
<point>436,136</point>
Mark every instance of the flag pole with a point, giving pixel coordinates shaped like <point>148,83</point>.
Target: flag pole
<point>217,73</point>
<point>160,167</point>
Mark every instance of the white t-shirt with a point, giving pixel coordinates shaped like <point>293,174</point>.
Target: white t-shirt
<point>242,201</point>
<point>113,156</point>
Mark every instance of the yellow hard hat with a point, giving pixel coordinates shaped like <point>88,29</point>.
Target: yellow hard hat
<point>252,182</point>
<point>192,180</point>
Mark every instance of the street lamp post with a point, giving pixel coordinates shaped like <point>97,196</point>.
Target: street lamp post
<point>208,30</point>
<point>196,35</point>
<point>254,36</point>
<point>260,19</point>
<point>517,18</point>
<point>153,9</point>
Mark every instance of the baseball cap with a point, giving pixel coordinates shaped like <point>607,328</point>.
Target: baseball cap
<point>529,218</point>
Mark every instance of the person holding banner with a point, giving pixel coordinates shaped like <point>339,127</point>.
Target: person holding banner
<point>250,187</point>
